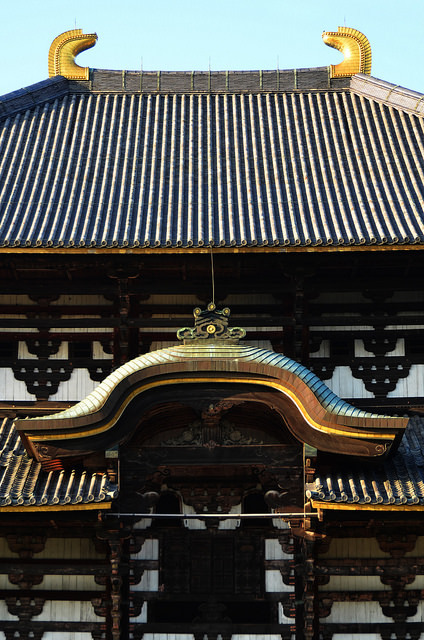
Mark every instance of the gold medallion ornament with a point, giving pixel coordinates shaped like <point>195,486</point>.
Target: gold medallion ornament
<point>211,324</point>
<point>64,50</point>
<point>355,48</point>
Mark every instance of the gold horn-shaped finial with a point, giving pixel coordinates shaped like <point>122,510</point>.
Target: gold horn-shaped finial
<point>355,48</point>
<point>64,50</point>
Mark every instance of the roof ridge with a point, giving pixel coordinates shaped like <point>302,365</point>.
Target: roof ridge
<point>390,94</point>
<point>33,95</point>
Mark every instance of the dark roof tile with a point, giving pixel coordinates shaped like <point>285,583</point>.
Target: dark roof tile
<point>23,483</point>
<point>113,167</point>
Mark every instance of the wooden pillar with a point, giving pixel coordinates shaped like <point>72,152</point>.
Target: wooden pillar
<point>118,609</point>
<point>125,337</point>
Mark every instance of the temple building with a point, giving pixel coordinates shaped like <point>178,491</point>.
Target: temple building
<point>212,353</point>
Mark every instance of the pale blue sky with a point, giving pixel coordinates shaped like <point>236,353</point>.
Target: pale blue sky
<point>223,34</point>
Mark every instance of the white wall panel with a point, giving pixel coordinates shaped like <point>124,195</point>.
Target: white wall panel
<point>274,551</point>
<point>323,351</point>
<point>69,548</point>
<point>356,636</point>
<point>418,549</point>
<point>149,581</point>
<point>346,386</point>
<point>169,636</point>
<point>192,523</point>
<point>365,612</point>
<point>99,353</point>
<point>361,352</point>
<point>274,582</point>
<point>255,636</point>
<point>354,548</point>
<point>12,389</point>
<point>143,614</point>
<point>76,388</point>
<point>61,611</point>
<point>83,299</point>
<point>5,583</point>
<point>149,551</point>
<point>4,613</point>
<point>282,618</point>
<point>7,298</point>
<point>5,552</point>
<point>412,386</point>
<point>67,635</point>
<point>81,329</point>
<point>354,583</point>
<point>419,616</point>
<point>13,316</point>
<point>69,583</point>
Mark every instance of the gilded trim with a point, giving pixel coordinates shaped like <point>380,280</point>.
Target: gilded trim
<point>193,250</point>
<point>329,506</point>
<point>65,507</point>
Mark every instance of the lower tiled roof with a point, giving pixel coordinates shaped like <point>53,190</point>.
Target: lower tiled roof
<point>397,481</point>
<point>24,483</point>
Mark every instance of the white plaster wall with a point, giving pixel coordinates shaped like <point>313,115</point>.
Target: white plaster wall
<point>69,583</point>
<point>356,636</point>
<point>23,353</point>
<point>354,583</point>
<point>83,299</point>
<point>361,352</point>
<point>283,619</point>
<point>168,636</point>
<point>253,636</point>
<point>351,612</point>
<point>12,389</point>
<point>69,548</point>
<point>21,316</point>
<point>4,613</point>
<point>274,582</point>
<point>150,578</point>
<point>412,386</point>
<point>76,388</point>
<point>354,548</point>
<point>148,551</point>
<point>323,351</point>
<point>61,611</point>
<point>99,353</point>
<point>67,635</point>
<point>345,385</point>
<point>66,316</point>
<point>274,551</point>
<point>419,616</point>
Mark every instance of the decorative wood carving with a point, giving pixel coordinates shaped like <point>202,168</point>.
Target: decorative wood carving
<point>22,634</point>
<point>43,346</point>
<point>380,375</point>
<point>305,570</point>
<point>24,608</point>
<point>25,580</point>
<point>396,544</point>
<point>26,545</point>
<point>42,377</point>
<point>115,538</point>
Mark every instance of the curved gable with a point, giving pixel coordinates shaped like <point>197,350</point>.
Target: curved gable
<point>311,411</point>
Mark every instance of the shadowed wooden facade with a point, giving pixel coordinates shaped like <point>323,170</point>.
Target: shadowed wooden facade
<point>263,487</point>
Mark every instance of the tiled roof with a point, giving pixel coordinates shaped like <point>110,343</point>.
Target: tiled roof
<point>24,483</point>
<point>397,481</point>
<point>280,165</point>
